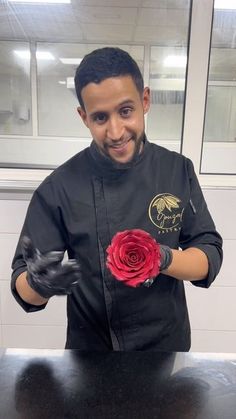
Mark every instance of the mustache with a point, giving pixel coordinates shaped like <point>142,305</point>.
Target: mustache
<point>118,143</point>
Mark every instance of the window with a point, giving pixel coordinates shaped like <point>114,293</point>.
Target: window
<point>15,95</point>
<point>220,118</point>
<point>173,56</point>
<point>57,101</point>
<point>167,83</point>
<point>59,36</point>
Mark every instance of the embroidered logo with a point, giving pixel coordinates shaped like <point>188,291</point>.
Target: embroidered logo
<point>166,213</point>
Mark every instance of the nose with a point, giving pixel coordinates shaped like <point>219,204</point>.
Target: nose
<point>115,128</point>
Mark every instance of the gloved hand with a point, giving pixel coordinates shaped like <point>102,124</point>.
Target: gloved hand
<point>45,272</point>
<point>166,259</point>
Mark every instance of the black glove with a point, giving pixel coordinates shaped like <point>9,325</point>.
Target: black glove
<point>166,259</point>
<point>45,272</point>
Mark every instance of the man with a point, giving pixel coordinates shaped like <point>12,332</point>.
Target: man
<point>120,182</point>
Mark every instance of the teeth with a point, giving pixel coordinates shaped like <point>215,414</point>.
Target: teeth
<point>119,145</point>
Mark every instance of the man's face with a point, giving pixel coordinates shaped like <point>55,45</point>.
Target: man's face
<point>114,113</point>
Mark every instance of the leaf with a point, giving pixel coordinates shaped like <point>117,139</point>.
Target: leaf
<point>171,202</point>
<point>160,204</point>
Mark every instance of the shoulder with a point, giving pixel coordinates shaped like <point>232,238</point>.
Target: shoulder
<point>70,172</point>
<point>167,156</point>
<point>170,165</point>
<point>69,168</point>
<point>74,164</point>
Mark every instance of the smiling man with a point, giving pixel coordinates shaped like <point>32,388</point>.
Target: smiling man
<point>113,110</point>
<point>120,183</point>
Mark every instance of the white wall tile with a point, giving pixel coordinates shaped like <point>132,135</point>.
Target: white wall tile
<point>12,215</point>
<point>13,314</point>
<point>213,308</point>
<point>213,341</point>
<point>8,244</point>
<point>222,205</point>
<point>226,276</point>
<point>0,324</point>
<point>22,336</point>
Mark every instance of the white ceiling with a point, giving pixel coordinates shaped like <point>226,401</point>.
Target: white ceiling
<point>128,21</point>
<point>162,22</point>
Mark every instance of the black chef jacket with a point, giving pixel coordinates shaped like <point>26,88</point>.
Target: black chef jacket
<point>82,205</point>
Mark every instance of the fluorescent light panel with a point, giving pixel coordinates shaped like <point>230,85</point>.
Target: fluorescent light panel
<point>41,1</point>
<point>44,55</point>
<point>25,54</point>
<point>76,61</point>
<point>70,83</point>
<point>40,55</point>
<point>175,61</point>
<point>225,4</point>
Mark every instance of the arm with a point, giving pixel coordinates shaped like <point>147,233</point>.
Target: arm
<point>190,264</point>
<point>201,255</point>
<point>27,293</point>
<point>36,276</point>
<point>46,275</point>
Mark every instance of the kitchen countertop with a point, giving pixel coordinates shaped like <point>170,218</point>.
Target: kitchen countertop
<point>60,384</point>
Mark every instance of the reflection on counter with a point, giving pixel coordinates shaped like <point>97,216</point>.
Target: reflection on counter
<point>132,385</point>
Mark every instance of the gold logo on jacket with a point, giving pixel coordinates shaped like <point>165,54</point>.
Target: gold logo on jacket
<point>165,212</point>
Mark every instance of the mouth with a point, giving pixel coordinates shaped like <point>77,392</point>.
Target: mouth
<point>120,145</point>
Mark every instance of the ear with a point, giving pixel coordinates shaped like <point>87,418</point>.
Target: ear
<point>146,99</point>
<point>82,115</point>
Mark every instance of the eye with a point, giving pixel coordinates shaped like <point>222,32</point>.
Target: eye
<point>126,112</point>
<point>99,118</point>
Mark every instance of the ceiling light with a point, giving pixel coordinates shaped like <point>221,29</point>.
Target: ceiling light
<point>70,83</point>
<point>76,61</point>
<point>25,54</point>
<point>175,61</point>
<point>40,55</point>
<point>44,55</point>
<point>225,4</point>
<point>62,82</point>
<point>41,1</point>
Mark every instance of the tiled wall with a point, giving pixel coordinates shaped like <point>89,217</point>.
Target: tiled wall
<point>45,329</point>
<point>212,311</point>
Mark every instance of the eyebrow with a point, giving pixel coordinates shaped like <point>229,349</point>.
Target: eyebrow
<point>126,102</point>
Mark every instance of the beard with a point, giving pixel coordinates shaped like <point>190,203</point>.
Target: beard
<point>138,146</point>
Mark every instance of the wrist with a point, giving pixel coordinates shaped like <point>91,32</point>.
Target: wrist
<point>27,293</point>
<point>38,287</point>
<point>166,257</point>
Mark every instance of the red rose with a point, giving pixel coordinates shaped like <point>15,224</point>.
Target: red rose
<point>133,257</point>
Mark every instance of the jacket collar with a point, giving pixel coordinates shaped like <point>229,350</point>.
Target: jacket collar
<point>107,167</point>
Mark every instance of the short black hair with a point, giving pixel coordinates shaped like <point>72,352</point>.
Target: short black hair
<point>103,63</point>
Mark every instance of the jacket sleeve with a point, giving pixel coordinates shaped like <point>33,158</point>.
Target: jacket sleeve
<point>44,227</point>
<point>199,230</point>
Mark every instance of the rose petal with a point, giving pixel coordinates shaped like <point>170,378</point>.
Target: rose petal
<point>133,256</point>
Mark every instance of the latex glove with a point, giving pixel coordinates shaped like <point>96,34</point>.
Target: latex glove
<point>45,272</point>
<point>166,259</point>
